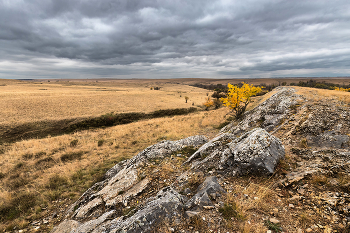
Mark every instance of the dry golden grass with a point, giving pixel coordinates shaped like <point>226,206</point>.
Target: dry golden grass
<point>32,101</point>
<point>65,166</point>
<point>39,161</point>
<point>117,140</point>
<point>314,94</point>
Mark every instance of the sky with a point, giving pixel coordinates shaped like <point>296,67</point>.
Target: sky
<point>41,39</point>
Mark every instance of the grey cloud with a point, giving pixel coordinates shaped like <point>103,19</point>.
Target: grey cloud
<point>220,37</point>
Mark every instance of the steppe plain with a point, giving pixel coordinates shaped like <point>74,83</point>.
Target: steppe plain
<point>40,177</point>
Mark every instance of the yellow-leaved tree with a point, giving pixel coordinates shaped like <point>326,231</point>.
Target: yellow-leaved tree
<point>341,89</point>
<point>238,98</point>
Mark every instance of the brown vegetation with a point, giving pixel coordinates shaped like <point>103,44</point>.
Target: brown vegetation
<point>63,167</point>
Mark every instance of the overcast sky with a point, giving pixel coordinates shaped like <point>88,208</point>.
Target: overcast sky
<point>174,39</point>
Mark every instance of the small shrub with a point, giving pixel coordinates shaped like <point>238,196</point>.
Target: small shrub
<point>319,179</point>
<point>304,219</point>
<point>223,124</point>
<point>197,223</point>
<point>53,195</point>
<point>19,165</point>
<point>74,143</point>
<point>56,182</point>
<point>37,209</point>
<point>129,212</point>
<point>228,121</point>
<point>21,203</point>
<point>78,176</point>
<point>294,106</point>
<point>45,163</point>
<point>17,183</point>
<point>71,156</point>
<point>303,143</point>
<point>283,166</point>
<point>40,154</point>
<point>100,142</point>
<point>231,211</point>
<point>121,192</point>
<point>186,98</point>
<point>195,181</point>
<point>27,156</point>
<point>186,151</point>
<point>208,103</point>
<point>2,175</point>
<point>217,104</point>
<point>273,226</point>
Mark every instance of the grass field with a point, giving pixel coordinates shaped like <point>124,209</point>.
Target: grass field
<point>319,94</point>
<point>38,100</point>
<point>23,102</point>
<point>63,167</point>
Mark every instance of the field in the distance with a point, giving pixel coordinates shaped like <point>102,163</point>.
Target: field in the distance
<point>40,100</point>
<point>29,101</point>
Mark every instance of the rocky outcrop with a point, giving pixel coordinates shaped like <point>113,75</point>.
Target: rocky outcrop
<point>122,183</point>
<point>167,206</point>
<point>105,206</point>
<point>268,115</point>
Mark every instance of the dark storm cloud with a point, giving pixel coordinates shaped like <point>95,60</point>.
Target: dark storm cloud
<point>185,38</point>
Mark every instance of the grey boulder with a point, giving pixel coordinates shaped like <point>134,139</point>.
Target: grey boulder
<point>210,188</point>
<point>255,152</point>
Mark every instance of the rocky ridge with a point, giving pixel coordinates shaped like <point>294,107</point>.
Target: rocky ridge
<point>192,184</point>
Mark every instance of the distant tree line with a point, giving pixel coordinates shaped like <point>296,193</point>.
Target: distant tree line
<point>220,89</point>
<point>321,85</point>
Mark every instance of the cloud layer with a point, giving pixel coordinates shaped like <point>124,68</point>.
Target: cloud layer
<point>173,39</point>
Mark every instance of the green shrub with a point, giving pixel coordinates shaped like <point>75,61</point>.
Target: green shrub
<point>56,182</point>
<point>21,203</point>
<point>273,226</point>
<point>231,210</point>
